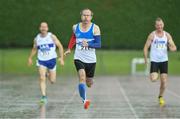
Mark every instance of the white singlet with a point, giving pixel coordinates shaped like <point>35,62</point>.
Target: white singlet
<point>46,47</point>
<point>158,50</point>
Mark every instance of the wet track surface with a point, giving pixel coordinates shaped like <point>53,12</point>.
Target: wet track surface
<point>111,97</point>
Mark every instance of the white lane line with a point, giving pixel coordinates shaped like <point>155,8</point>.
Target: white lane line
<point>127,100</point>
<point>173,93</point>
<point>68,102</point>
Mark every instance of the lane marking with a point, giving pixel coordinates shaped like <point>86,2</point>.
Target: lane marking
<point>68,102</point>
<point>127,100</point>
<point>173,93</point>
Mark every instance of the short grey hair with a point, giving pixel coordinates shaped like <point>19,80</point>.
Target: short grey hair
<point>86,9</point>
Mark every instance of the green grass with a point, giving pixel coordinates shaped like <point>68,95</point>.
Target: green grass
<point>108,63</point>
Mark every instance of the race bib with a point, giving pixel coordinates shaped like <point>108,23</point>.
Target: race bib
<point>161,45</point>
<point>45,49</point>
<point>80,47</point>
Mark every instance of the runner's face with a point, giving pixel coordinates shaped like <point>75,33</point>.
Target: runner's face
<point>43,28</point>
<point>159,25</point>
<point>86,16</point>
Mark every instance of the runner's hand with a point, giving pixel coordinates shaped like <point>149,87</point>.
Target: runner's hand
<point>67,52</point>
<point>30,62</point>
<point>85,43</point>
<point>146,62</point>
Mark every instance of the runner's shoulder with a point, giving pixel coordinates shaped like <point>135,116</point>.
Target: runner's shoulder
<point>53,36</point>
<point>167,34</point>
<point>74,27</point>
<point>96,29</point>
<point>96,26</point>
<point>151,35</point>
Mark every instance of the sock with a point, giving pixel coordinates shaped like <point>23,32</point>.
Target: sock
<point>44,96</point>
<point>82,91</point>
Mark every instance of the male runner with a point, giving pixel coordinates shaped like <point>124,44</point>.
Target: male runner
<point>45,45</point>
<point>86,36</point>
<point>159,41</point>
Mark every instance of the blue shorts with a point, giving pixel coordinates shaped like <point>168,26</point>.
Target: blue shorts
<point>49,64</point>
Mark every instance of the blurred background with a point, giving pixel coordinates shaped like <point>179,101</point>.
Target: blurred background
<point>124,24</point>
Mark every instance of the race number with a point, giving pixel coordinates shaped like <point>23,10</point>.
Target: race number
<point>45,49</point>
<point>161,45</point>
<point>80,47</point>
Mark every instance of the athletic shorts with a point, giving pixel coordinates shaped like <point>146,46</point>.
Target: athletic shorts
<point>49,64</point>
<point>88,67</point>
<point>161,67</point>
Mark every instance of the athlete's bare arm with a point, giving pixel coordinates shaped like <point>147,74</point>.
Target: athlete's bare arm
<point>60,48</point>
<point>171,44</point>
<point>33,52</point>
<point>97,30</point>
<point>72,41</point>
<point>146,46</point>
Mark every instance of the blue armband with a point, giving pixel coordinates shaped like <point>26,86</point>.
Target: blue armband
<point>96,43</point>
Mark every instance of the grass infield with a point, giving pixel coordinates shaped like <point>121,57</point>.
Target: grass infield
<point>14,61</point>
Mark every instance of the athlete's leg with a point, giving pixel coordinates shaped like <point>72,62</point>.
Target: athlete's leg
<point>42,79</point>
<point>163,83</point>
<point>163,77</point>
<point>80,67</point>
<point>82,86</point>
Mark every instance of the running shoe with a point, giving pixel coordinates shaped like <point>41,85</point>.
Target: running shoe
<point>86,104</point>
<point>161,101</point>
<point>43,100</point>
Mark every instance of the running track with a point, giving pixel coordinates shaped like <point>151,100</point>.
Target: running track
<point>111,96</point>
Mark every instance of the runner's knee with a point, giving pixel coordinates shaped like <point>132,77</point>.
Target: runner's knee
<point>89,82</point>
<point>42,78</point>
<point>153,77</point>
<point>53,80</point>
<point>52,77</point>
<point>82,78</point>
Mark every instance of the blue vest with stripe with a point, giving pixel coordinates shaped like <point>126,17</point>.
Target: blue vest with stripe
<point>84,54</point>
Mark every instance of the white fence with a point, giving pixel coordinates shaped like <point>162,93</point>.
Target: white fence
<point>137,61</point>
